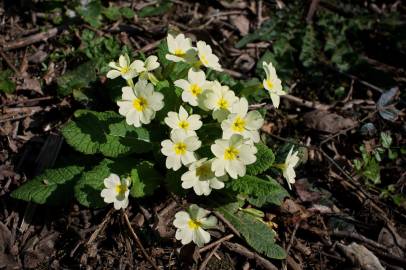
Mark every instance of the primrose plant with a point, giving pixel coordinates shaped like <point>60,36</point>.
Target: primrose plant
<point>178,127</point>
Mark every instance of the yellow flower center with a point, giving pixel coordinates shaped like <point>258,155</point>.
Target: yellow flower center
<point>179,52</point>
<point>222,103</point>
<point>184,124</point>
<point>194,224</point>
<point>203,59</point>
<point>124,70</point>
<point>281,166</point>
<point>231,153</point>
<point>269,83</point>
<point>238,125</point>
<point>140,104</point>
<point>180,148</point>
<point>204,171</point>
<point>195,89</point>
<point>121,189</point>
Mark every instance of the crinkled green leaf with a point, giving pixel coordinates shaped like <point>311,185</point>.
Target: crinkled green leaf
<point>145,179</point>
<point>53,186</point>
<point>172,101</point>
<point>91,13</point>
<point>257,234</point>
<point>6,84</point>
<point>112,13</point>
<point>105,132</point>
<point>76,79</point>
<point>310,47</point>
<point>90,184</point>
<point>265,159</point>
<point>127,12</point>
<point>259,191</point>
<point>160,9</point>
<point>372,171</point>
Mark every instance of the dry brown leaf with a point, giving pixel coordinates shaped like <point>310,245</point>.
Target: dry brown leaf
<point>30,84</point>
<point>361,256</point>
<point>242,23</point>
<point>327,121</point>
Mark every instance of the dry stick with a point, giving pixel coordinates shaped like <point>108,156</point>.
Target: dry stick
<point>43,36</point>
<point>149,46</point>
<point>5,57</point>
<point>207,259</point>
<point>100,227</point>
<point>137,240</point>
<point>26,101</point>
<point>306,103</point>
<point>225,221</point>
<point>292,238</point>
<point>219,241</point>
<point>387,256</point>
<point>359,237</point>
<point>312,10</point>
<point>237,248</point>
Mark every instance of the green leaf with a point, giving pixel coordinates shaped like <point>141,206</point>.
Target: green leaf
<point>127,12</point>
<point>106,133</point>
<point>372,171</point>
<point>145,179</point>
<point>112,13</point>
<point>265,159</point>
<point>309,53</point>
<point>53,186</point>
<point>90,184</point>
<point>76,79</point>
<point>259,191</point>
<point>6,84</point>
<point>257,234</point>
<point>162,8</point>
<point>386,139</point>
<point>172,101</point>
<point>91,13</point>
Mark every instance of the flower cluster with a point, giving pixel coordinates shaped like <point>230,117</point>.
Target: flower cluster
<point>203,101</point>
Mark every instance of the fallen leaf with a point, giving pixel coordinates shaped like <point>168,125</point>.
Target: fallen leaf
<point>361,256</point>
<point>386,105</point>
<point>304,190</point>
<point>30,84</point>
<point>37,57</point>
<point>242,23</point>
<point>387,239</point>
<point>327,121</point>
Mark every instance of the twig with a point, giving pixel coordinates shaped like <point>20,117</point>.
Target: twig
<point>237,248</point>
<point>100,227</point>
<point>209,246</point>
<point>149,46</point>
<point>312,10</point>
<point>139,244</point>
<point>259,13</point>
<point>5,57</point>
<point>306,103</point>
<point>225,221</point>
<point>359,237</point>
<point>26,101</point>
<point>43,36</point>
<point>292,238</point>
<point>387,256</point>
<point>208,257</point>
